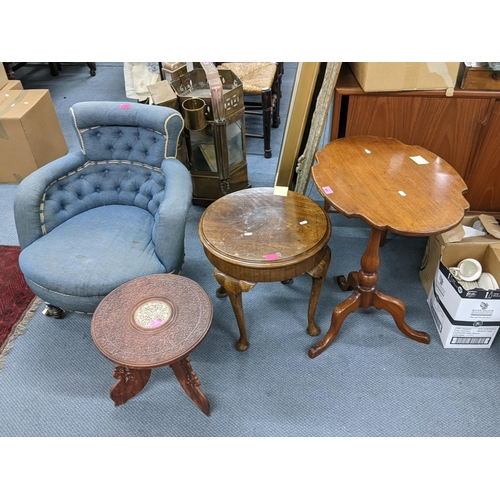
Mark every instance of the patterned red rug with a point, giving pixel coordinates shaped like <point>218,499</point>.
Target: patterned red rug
<point>16,299</point>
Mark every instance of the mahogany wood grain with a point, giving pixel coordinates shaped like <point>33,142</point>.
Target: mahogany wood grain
<point>253,236</point>
<point>484,189</point>
<point>435,124</point>
<point>376,180</point>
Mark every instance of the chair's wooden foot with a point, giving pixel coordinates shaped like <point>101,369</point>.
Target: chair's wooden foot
<point>53,311</point>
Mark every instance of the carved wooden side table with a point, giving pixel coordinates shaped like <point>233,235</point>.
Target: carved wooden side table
<point>150,322</point>
<point>391,186</point>
<point>254,235</point>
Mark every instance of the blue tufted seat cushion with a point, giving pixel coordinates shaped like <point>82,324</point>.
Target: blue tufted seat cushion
<point>102,183</point>
<point>83,259</point>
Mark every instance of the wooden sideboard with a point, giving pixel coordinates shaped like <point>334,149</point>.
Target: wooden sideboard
<point>463,129</point>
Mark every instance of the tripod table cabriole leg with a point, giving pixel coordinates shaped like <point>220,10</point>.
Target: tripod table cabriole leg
<point>318,275</point>
<point>130,383</point>
<point>190,383</point>
<point>397,310</point>
<point>365,294</point>
<point>234,288</point>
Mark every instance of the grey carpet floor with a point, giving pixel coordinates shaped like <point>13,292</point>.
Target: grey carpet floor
<point>371,382</point>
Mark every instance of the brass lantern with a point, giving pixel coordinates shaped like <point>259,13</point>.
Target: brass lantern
<point>211,102</point>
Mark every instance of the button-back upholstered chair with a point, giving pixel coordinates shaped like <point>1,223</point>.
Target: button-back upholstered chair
<point>114,211</point>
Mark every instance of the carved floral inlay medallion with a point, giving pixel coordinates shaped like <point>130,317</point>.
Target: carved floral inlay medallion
<point>152,314</point>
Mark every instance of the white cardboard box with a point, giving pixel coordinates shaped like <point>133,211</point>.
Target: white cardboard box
<point>460,334</point>
<point>457,238</point>
<point>465,318</point>
<point>466,305</point>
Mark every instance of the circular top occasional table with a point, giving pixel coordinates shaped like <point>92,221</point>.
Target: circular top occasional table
<point>391,186</point>
<point>150,322</point>
<point>254,235</point>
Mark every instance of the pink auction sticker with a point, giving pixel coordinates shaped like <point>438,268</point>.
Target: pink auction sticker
<point>155,323</point>
<point>272,256</point>
<point>125,106</point>
<point>327,189</point>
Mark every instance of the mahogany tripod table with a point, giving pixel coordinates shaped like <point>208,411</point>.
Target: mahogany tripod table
<point>391,186</point>
<point>150,322</point>
<point>254,235</point>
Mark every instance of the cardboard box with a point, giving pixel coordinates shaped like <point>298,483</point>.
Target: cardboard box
<point>468,305</point>
<point>163,94</point>
<point>456,236</point>
<point>12,85</point>
<point>30,133</point>
<point>3,76</point>
<point>460,334</point>
<point>466,318</point>
<point>397,76</point>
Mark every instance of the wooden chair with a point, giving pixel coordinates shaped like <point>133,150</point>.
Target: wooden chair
<point>261,79</point>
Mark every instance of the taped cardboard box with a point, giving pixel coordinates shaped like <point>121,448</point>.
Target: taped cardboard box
<point>3,76</point>
<point>30,133</point>
<point>397,76</point>
<point>463,234</point>
<point>12,85</point>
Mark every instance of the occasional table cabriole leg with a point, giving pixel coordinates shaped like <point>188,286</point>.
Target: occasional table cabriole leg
<point>234,288</point>
<point>318,275</point>
<point>191,384</point>
<point>130,383</point>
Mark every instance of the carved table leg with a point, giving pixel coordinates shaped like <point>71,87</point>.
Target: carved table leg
<point>191,384</point>
<point>130,383</point>
<point>318,275</point>
<point>365,295</point>
<point>351,283</point>
<point>234,288</point>
<point>397,309</point>
<point>339,314</point>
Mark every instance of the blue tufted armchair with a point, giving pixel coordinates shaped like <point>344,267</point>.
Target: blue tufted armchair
<point>114,211</point>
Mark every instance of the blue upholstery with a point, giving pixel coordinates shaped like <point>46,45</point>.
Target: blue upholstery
<point>114,211</point>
